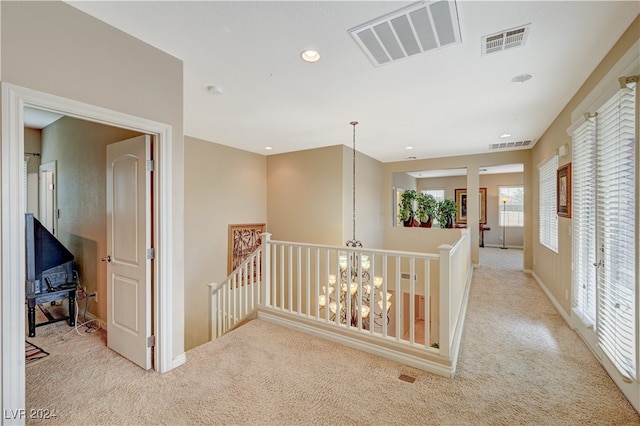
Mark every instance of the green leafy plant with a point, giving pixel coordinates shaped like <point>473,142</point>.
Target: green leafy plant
<point>406,209</point>
<point>445,211</point>
<point>426,208</point>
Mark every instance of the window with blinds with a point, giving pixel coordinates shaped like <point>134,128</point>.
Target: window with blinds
<point>615,230</point>
<point>584,222</point>
<point>548,218</point>
<point>511,212</point>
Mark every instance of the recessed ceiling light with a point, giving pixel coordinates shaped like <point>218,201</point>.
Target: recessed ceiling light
<point>505,135</point>
<point>521,78</point>
<point>268,148</point>
<point>310,55</point>
<point>408,147</point>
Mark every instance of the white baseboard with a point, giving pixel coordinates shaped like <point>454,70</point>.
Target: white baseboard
<point>179,360</point>
<point>500,245</point>
<point>553,300</point>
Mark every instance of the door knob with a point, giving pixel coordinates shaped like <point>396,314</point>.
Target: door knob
<point>106,259</point>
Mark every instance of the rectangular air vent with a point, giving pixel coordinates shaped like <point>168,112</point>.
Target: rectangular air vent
<point>510,145</point>
<point>416,29</point>
<point>505,40</point>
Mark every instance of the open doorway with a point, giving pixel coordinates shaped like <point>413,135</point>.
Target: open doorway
<point>505,212</point>
<point>15,99</point>
<point>70,198</point>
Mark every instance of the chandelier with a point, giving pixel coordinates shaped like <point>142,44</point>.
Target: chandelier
<point>357,294</point>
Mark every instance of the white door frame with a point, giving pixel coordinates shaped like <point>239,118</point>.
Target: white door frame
<point>12,290</point>
<point>51,166</point>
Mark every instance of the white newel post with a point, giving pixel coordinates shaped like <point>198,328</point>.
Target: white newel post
<point>445,299</point>
<point>213,332</point>
<point>266,270</point>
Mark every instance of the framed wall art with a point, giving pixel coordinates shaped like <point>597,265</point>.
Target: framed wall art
<point>461,201</point>
<point>243,240</point>
<point>563,190</point>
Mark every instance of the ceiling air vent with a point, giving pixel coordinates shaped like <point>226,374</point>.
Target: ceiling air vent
<point>505,39</point>
<point>510,145</point>
<point>416,29</point>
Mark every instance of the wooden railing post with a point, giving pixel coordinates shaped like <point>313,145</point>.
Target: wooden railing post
<point>445,299</point>
<point>266,270</point>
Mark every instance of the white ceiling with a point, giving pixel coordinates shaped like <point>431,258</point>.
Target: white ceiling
<point>444,102</point>
<point>38,118</point>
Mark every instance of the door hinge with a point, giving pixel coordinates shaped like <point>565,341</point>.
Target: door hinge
<point>151,341</point>
<point>151,253</point>
<point>149,165</point>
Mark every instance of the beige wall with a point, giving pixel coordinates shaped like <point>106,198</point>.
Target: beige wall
<point>54,48</point>
<point>223,186</point>
<point>310,197</point>
<point>554,269</point>
<point>369,212</point>
<point>33,143</point>
<point>305,200</point>
<point>79,149</point>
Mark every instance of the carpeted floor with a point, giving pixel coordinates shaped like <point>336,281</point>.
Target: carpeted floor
<point>519,364</point>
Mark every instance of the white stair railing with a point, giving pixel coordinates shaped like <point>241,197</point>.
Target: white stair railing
<point>355,293</point>
<point>237,297</point>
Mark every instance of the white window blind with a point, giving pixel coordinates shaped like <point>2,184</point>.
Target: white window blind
<point>615,224</point>
<point>511,212</point>
<point>584,222</point>
<point>547,208</point>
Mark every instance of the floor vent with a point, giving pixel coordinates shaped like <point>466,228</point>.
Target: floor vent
<point>406,378</point>
<point>416,29</point>
<point>505,40</point>
<point>510,145</point>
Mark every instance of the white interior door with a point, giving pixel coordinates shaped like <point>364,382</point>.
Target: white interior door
<point>128,241</point>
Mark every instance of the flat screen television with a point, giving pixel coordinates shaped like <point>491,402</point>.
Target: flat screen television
<point>49,265</point>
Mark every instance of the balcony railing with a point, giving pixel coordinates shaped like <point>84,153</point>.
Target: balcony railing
<point>402,305</point>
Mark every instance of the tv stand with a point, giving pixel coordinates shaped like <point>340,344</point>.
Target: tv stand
<point>51,296</point>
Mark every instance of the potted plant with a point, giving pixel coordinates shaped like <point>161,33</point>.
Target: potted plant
<point>445,211</point>
<point>426,209</point>
<point>406,212</point>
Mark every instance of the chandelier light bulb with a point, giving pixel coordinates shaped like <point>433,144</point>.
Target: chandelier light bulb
<point>366,263</point>
<point>343,261</point>
<point>365,311</point>
<point>377,281</point>
<point>322,300</point>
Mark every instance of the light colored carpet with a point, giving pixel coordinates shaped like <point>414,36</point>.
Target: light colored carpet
<point>519,365</point>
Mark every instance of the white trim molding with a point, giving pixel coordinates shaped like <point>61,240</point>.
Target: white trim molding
<point>12,294</point>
